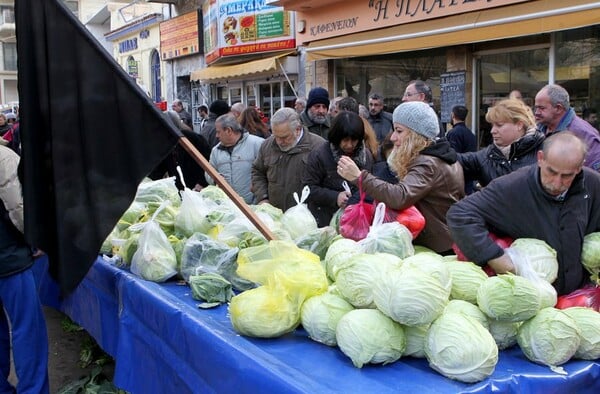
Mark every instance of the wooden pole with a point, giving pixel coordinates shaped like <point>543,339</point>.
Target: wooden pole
<point>226,187</point>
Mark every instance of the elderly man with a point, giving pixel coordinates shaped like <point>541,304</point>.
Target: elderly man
<point>233,156</point>
<point>557,201</point>
<point>553,113</point>
<point>184,115</point>
<point>380,120</point>
<point>316,115</point>
<point>418,90</point>
<point>277,171</point>
<point>300,104</point>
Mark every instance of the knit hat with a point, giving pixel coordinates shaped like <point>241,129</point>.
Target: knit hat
<point>317,96</point>
<point>219,107</point>
<point>419,117</point>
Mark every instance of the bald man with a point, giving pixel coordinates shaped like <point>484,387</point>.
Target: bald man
<point>556,200</point>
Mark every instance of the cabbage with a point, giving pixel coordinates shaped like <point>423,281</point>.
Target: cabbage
<point>131,215</point>
<point>588,321</point>
<point>391,237</point>
<point>590,253</point>
<point>467,309</point>
<point>317,241</point>
<point>215,194</point>
<point>415,340</point>
<point>355,280</point>
<point>298,220</point>
<point>466,280</point>
<point>368,336</point>
<point>508,297</point>
<point>410,296</point>
<point>274,212</point>
<point>434,265</point>
<point>320,315</point>
<point>541,257</point>
<point>551,337</point>
<point>338,253</point>
<point>460,348</point>
<point>504,332</point>
<point>211,288</point>
<point>264,312</point>
<point>154,259</point>
<point>158,191</point>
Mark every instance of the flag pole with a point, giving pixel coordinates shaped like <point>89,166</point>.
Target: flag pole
<point>232,194</point>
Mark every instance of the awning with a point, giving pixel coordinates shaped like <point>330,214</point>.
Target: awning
<point>532,17</point>
<point>273,63</point>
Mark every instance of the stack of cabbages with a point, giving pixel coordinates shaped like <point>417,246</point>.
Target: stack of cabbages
<point>381,298</point>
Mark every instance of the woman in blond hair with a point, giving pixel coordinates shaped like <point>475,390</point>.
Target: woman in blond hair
<point>429,176</point>
<point>515,143</point>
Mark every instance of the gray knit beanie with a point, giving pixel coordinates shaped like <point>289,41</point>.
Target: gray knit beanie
<point>419,117</point>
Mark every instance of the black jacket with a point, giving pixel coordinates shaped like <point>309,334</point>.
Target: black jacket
<point>382,124</point>
<point>489,163</point>
<point>15,254</point>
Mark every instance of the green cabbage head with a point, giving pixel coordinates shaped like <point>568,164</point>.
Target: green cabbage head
<point>508,297</point>
<point>504,332</point>
<point>540,255</point>
<point>367,336</point>
<point>338,253</point>
<point>415,340</point>
<point>467,277</point>
<point>551,337</point>
<point>468,309</point>
<point>320,315</point>
<point>460,348</point>
<point>590,253</point>
<point>588,321</point>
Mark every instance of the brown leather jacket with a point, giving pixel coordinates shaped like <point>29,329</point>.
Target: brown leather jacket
<point>433,183</point>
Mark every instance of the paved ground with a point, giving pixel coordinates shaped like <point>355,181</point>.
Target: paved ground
<point>64,352</point>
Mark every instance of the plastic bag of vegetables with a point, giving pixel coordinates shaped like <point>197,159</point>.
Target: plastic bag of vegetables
<point>154,258</point>
<point>158,191</point>
<point>539,257</point>
<point>211,288</point>
<point>392,237</point>
<point>298,220</point>
<point>192,213</point>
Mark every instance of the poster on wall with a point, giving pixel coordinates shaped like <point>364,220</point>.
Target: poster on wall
<point>452,87</point>
<point>237,27</point>
<point>180,36</point>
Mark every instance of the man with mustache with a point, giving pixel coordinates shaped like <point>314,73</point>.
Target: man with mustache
<point>556,200</point>
<point>316,115</point>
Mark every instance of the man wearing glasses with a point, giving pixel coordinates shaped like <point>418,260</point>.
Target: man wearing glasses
<point>418,90</point>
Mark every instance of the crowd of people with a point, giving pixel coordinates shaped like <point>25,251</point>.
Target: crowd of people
<point>541,163</point>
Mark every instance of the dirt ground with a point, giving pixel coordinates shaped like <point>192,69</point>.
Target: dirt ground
<point>63,352</point>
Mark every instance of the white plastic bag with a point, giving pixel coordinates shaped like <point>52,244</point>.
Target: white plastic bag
<point>524,268</point>
<point>298,220</point>
<point>391,237</point>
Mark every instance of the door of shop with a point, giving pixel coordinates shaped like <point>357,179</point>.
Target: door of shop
<point>501,71</point>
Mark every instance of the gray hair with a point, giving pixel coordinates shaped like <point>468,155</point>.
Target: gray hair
<point>286,115</point>
<point>558,95</point>
<point>301,100</point>
<point>230,121</point>
<point>422,87</point>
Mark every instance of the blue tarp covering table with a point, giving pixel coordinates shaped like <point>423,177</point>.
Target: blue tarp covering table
<point>163,343</point>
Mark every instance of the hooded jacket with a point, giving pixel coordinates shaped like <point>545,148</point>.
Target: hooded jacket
<point>316,128</point>
<point>433,183</point>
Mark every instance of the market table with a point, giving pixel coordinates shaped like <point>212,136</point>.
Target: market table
<point>163,343</point>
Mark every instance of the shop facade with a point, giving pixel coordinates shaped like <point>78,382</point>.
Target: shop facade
<point>469,52</point>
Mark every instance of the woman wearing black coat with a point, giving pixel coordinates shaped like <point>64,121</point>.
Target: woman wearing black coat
<point>516,142</point>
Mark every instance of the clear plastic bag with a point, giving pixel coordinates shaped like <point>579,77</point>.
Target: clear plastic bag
<point>391,237</point>
<point>298,220</point>
<point>524,268</point>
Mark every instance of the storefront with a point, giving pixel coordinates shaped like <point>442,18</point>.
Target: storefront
<point>493,47</point>
<point>249,53</point>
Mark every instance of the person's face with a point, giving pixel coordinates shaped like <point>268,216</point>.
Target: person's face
<point>226,136</point>
<point>285,137</point>
<point>556,172</point>
<point>177,107</point>
<point>399,134</point>
<point>318,113</point>
<point>375,106</point>
<point>2,121</point>
<point>592,119</point>
<point>348,145</point>
<point>298,106</point>
<point>505,133</point>
<point>545,113</point>
<point>411,94</point>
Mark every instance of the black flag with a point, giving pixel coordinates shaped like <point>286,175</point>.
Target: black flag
<point>89,136</point>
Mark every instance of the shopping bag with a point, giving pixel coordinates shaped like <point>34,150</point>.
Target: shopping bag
<point>357,219</point>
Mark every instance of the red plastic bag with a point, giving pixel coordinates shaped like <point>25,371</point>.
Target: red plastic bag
<point>357,219</point>
<point>413,219</point>
<point>588,296</point>
<point>503,242</point>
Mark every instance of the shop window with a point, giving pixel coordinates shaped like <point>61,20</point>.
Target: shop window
<point>389,75</point>
<point>578,66</point>
<point>10,56</point>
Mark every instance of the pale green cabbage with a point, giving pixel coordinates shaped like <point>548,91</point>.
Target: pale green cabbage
<point>391,237</point>
<point>508,297</point>
<point>410,296</point>
<point>460,348</point>
<point>432,264</point>
<point>367,336</point>
<point>590,253</point>
<point>467,309</point>
<point>588,321</point>
<point>466,280</point>
<point>415,340</point>
<point>541,257</point>
<point>320,315</point>
<point>504,332</point>
<point>339,253</point>
<point>264,312</point>
<point>356,279</point>
<point>551,337</point>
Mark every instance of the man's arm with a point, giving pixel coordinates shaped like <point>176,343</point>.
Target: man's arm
<point>10,187</point>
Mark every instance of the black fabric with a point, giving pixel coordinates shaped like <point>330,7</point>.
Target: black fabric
<point>89,136</point>
<point>15,254</point>
<point>441,149</point>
